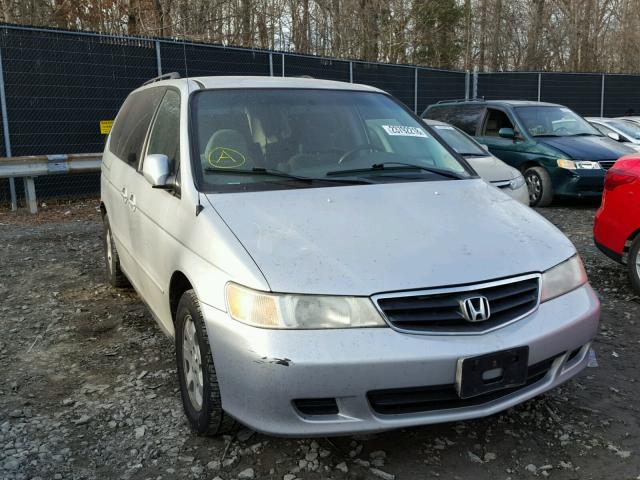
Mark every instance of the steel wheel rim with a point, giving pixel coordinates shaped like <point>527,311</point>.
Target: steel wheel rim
<point>109,251</point>
<point>534,185</point>
<point>192,363</point>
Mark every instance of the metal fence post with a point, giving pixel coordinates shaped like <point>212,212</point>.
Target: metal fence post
<point>467,81</point>
<point>350,72</point>
<point>5,131</point>
<point>282,64</point>
<point>539,84</point>
<point>158,58</point>
<point>415,90</point>
<point>270,64</point>
<point>602,97</point>
<point>475,83</point>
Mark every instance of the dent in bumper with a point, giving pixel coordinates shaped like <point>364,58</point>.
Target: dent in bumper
<point>582,183</point>
<point>262,371</point>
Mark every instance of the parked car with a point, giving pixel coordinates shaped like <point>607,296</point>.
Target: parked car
<point>557,151</point>
<point>630,118</point>
<point>327,265</point>
<point>616,229</point>
<point>492,169</point>
<point>622,131</point>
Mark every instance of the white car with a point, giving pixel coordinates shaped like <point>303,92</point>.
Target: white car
<point>622,129</point>
<point>327,265</point>
<point>630,118</point>
<point>489,167</point>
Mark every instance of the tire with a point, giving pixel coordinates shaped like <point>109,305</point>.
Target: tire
<point>115,276</point>
<point>202,403</point>
<point>633,264</point>
<point>539,186</point>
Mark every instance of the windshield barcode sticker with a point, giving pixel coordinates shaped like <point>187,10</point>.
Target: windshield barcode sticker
<point>401,131</point>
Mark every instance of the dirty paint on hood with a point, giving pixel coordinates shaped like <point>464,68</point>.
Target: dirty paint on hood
<point>367,239</point>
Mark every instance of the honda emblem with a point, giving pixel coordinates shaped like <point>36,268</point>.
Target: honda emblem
<point>475,309</point>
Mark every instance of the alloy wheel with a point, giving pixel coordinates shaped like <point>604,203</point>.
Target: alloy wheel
<point>534,185</point>
<point>192,363</point>
<point>109,251</point>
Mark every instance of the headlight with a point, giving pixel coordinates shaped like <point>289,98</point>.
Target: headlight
<point>562,278</point>
<point>578,164</point>
<point>271,310</point>
<point>516,183</point>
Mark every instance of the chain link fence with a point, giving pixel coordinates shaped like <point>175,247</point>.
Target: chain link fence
<point>589,94</point>
<point>59,85</point>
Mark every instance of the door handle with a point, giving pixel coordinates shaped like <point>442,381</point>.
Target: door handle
<point>132,202</point>
<point>123,193</point>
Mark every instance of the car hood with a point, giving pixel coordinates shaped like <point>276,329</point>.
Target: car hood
<point>586,148</point>
<point>366,239</point>
<point>491,168</point>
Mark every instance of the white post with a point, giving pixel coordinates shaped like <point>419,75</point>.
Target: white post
<point>158,58</point>
<point>475,83</point>
<point>283,64</point>
<point>271,64</point>
<point>350,72</point>
<point>539,85</point>
<point>467,84</point>
<point>30,194</point>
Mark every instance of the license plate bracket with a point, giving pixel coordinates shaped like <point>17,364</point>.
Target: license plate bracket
<point>491,372</point>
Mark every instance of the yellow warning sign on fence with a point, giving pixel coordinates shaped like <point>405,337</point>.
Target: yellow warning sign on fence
<point>105,126</point>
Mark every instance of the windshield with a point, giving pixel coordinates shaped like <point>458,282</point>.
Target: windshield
<point>459,141</point>
<point>627,127</point>
<point>276,138</point>
<point>554,122</point>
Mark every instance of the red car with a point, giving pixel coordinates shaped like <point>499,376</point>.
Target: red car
<point>617,224</point>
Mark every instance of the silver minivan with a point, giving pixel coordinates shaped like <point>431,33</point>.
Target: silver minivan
<point>326,265</point>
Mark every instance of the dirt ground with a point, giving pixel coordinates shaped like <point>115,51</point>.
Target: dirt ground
<point>88,387</point>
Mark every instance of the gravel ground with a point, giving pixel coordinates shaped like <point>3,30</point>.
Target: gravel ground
<point>88,387</point>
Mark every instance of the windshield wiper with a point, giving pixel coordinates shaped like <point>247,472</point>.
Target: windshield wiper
<point>585,134</point>
<point>471,154</point>
<point>279,173</point>
<point>401,166</point>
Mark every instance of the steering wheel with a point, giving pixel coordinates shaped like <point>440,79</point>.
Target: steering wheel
<point>349,154</point>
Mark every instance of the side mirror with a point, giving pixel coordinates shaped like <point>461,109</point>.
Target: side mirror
<point>614,136</point>
<point>507,133</point>
<point>155,169</point>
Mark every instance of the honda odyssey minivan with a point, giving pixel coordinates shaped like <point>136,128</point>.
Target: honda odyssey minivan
<point>326,265</point>
<point>558,152</point>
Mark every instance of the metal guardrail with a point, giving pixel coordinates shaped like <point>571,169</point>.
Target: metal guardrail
<point>32,166</point>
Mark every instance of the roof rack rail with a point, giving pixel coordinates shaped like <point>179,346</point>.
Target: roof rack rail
<point>166,76</point>
<point>460,100</point>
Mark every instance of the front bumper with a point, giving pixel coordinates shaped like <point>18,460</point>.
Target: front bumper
<point>578,183</point>
<point>520,194</point>
<point>262,371</point>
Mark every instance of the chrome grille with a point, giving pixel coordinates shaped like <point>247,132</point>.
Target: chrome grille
<point>438,311</point>
<point>606,164</point>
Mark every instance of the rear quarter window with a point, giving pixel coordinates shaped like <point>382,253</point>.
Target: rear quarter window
<point>465,117</point>
<point>131,124</point>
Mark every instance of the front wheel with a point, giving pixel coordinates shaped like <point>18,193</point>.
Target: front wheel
<point>633,264</point>
<point>196,372</point>
<point>539,186</point>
